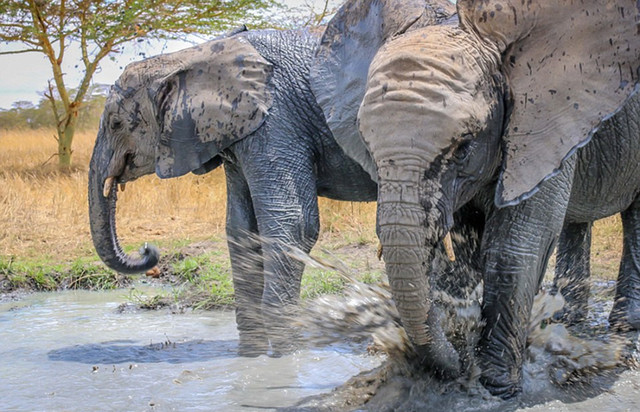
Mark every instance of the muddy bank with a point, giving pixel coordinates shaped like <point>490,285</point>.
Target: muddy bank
<point>194,276</point>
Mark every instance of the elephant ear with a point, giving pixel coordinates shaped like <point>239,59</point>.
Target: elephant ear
<point>350,41</point>
<point>217,95</point>
<point>570,65</point>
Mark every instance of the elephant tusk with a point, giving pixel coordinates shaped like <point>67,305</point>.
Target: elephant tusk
<point>122,186</point>
<point>108,184</point>
<point>379,251</point>
<point>448,247</point>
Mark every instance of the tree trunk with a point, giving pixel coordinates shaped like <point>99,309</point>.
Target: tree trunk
<point>66,132</point>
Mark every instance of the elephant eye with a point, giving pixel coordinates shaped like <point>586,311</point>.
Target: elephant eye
<point>115,124</point>
<point>463,151</point>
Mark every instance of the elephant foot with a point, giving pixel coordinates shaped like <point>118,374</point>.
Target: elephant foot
<point>498,378</point>
<point>625,315</point>
<point>252,345</point>
<point>281,346</point>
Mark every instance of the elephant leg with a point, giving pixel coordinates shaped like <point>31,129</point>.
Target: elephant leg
<point>517,243</point>
<point>245,252</point>
<point>286,205</point>
<point>573,271</point>
<point>625,314</point>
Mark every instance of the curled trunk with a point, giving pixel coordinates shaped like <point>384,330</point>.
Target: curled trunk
<point>102,217</point>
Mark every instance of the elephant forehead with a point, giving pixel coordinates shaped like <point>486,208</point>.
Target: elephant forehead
<point>426,89</point>
<point>503,21</point>
<point>141,73</point>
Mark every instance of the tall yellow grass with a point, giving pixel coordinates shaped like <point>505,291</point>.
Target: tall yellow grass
<point>43,213</point>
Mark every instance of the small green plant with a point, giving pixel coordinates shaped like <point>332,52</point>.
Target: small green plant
<point>206,282</point>
<point>189,268</point>
<point>88,275</point>
<point>319,282</point>
<point>371,278</point>
<point>154,302</point>
<point>217,284</point>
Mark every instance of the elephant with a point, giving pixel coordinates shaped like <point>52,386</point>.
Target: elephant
<point>574,245</point>
<point>242,100</point>
<point>495,109</point>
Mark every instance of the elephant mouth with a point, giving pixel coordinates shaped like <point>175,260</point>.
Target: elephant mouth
<point>119,173</point>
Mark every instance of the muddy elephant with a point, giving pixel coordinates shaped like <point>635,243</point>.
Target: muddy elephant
<point>488,110</point>
<point>242,100</point>
<point>608,176</point>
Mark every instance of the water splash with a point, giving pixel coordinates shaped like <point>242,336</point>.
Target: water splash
<point>575,359</point>
<point>367,311</point>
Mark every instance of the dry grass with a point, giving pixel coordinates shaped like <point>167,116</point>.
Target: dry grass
<point>43,213</point>
<point>606,248</point>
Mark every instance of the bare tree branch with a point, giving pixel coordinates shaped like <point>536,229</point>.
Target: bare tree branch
<point>21,51</point>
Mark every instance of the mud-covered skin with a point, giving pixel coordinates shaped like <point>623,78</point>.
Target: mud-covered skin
<point>607,181</point>
<point>431,118</point>
<point>341,65</point>
<point>274,174</point>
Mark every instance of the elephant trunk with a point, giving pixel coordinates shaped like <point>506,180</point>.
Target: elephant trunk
<point>403,235</point>
<point>408,243</point>
<point>102,217</point>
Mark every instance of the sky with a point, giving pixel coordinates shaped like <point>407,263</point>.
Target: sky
<point>24,76</point>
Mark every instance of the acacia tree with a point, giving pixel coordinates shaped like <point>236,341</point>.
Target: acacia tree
<point>101,28</point>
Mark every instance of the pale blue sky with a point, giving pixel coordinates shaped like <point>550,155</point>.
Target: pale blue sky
<point>24,76</point>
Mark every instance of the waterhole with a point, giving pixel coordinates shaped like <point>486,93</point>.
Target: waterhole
<point>77,351</point>
<point>74,351</point>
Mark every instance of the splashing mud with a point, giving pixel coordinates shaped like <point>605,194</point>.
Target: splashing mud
<point>559,365</point>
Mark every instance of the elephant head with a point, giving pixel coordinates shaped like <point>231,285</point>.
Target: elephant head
<point>493,102</point>
<point>172,114</point>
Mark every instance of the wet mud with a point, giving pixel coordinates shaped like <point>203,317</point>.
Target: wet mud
<point>565,369</point>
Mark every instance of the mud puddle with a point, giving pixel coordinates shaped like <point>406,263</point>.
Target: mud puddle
<point>75,351</point>
<point>565,370</point>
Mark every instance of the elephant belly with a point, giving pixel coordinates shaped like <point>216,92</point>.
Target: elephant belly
<point>341,178</point>
<point>607,177</point>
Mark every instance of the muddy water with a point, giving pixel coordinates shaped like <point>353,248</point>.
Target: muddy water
<point>74,351</point>
<point>565,370</point>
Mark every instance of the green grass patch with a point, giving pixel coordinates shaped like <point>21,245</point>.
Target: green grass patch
<point>316,282</point>
<point>206,282</point>
<point>199,273</point>
<point>46,276</point>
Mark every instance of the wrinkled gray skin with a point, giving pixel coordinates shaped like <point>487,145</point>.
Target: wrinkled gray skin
<point>607,181</point>
<point>599,180</point>
<point>490,113</point>
<point>274,176</point>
